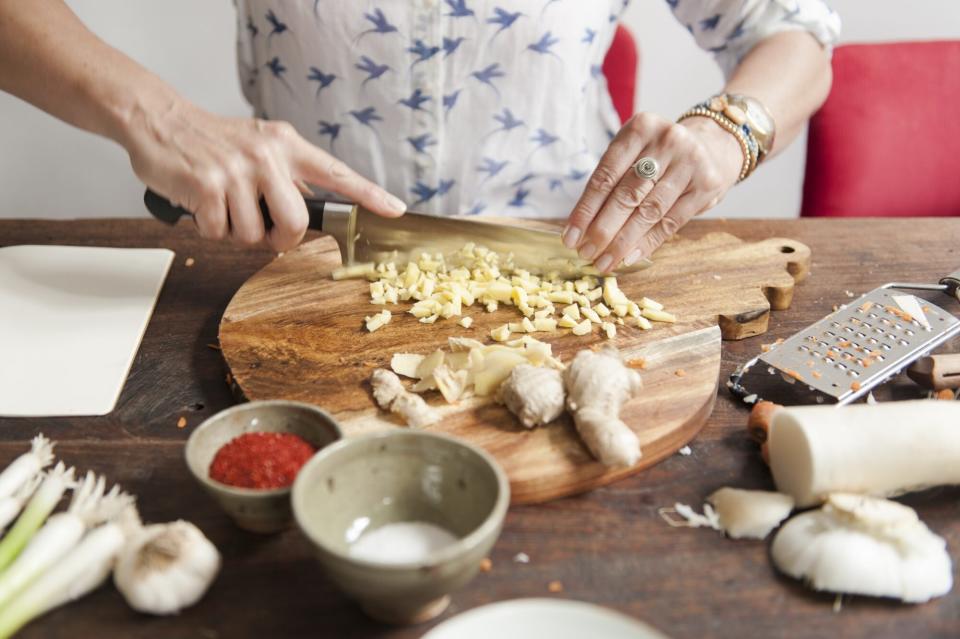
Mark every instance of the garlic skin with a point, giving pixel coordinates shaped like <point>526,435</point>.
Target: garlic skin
<point>750,514</point>
<point>165,568</point>
<point>864,545</point>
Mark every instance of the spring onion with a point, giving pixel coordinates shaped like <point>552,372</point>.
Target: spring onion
<point>25,467</point>
<point>38,509</point>
<point>79,572</point>
<point>11,506</point>
<point>61,533</point>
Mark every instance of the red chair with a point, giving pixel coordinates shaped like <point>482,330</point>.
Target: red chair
<point>620,69</point>
<point>887,141</point>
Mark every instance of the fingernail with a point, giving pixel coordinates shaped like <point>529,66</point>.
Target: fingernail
<point>588,251</point>
<point>633,258</point>
<point>395,204</point>
<point>570,236</point>
<point>604,263</point>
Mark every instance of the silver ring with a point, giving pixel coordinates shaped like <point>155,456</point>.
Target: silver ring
<point>647,168</point>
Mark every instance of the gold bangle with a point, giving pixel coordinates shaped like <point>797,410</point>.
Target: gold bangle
<point>749,158</point>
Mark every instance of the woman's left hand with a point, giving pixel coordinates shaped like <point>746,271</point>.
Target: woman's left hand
<point>622,217</point>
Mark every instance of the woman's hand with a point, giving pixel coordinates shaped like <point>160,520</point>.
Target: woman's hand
<point>218,168</point>
<point>622,217</point>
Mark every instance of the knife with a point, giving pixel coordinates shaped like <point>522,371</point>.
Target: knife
<point>363,236</point>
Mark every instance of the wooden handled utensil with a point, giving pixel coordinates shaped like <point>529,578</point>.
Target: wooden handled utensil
<point>936,372</point>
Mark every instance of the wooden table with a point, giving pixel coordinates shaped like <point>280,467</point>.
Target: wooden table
<point>607,547</point>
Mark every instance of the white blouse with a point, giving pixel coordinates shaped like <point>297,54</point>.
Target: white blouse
<point>470,106</point>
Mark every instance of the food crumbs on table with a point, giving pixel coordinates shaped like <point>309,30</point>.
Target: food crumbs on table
<point>680,372</point>
<point>637,362</point>
<point>686,451</point>
<point>261,460</point>
<point>486,564</point>
<point>521,558</point>
<point>182,422</point>
<point>849,293</point>
<point>855,386</point>
<point>215,347</point>
<point>189,262</point>
<point>945,393</point>
<point>555,586</point>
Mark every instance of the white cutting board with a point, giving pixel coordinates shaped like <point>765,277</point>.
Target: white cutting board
<point>71,321</point>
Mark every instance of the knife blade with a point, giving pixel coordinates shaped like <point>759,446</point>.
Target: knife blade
<point>363,236</point>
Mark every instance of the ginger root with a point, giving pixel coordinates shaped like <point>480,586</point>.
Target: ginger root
<point>535,395</point>
<point>598,384</point>
<point>389,393</point>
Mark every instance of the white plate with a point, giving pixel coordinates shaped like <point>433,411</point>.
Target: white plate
<point>542,618</point>
<point>71,320</point>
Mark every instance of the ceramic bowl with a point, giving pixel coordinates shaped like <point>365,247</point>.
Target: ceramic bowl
<point>261,511</point>
<point>358,485</point>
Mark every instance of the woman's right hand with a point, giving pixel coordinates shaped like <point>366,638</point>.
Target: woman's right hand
<point>218,168</point>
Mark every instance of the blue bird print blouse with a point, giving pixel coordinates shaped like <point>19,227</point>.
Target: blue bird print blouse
<point>470,106</point>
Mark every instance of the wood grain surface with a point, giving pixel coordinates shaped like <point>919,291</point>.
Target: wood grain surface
<point>291,332</point>
<point>607,546</point>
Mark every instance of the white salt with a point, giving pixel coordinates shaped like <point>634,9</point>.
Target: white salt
<point>403,542</point>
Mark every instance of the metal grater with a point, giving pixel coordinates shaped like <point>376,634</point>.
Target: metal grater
<point>846,354</point>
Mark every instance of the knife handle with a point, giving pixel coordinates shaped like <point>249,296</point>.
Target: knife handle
<point>168,213</point>
<point>936,372</point>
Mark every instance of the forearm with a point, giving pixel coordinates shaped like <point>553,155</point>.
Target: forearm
<point>790,73</point>
<point>50,59</point>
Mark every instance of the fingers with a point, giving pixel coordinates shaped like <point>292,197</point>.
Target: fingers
<point>621,241</point>
<point>616,161</point>
<point>686,207</point>
<point>287,210</point>
<point>321,168</point>
<point>246,221</point>
<point>210,216</point>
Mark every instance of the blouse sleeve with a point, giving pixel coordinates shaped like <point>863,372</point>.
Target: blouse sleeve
<point>730,28</point>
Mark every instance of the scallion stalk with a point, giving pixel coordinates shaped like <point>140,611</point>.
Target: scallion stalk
<point>38,509</point>
<point>10,507</point>
<point>79,572</point>
<point>25,467</point>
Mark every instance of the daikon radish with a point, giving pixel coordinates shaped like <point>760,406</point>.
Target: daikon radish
<point>881,449</point>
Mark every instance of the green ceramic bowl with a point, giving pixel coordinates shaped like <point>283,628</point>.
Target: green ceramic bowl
<point>358,485</point>
<point>261,511</point>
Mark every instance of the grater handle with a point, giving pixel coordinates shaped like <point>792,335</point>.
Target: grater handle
<point>952,284</point>
<point>936,372</point>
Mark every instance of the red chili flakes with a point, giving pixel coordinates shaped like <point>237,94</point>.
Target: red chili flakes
<point>855,386</point>
<point>261,460</point>
<point>555,586</point>
<point>182,422</point>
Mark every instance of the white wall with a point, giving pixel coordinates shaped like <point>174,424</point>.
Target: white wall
<point>48,169</point>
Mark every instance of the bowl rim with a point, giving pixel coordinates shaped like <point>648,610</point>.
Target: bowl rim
<point>211,422</point>
<point>488,526</point>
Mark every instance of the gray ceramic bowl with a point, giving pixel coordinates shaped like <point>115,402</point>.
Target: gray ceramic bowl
<point>361,484</point>
<point>262,511</point>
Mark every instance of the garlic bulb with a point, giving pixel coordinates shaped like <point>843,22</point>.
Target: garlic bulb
<point>864,545</point>
<point>166,567</point>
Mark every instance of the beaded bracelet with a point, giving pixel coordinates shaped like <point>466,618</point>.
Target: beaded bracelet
<point>748,143</point>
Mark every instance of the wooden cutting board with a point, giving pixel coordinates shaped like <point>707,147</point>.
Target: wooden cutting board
<point>291,332</point>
